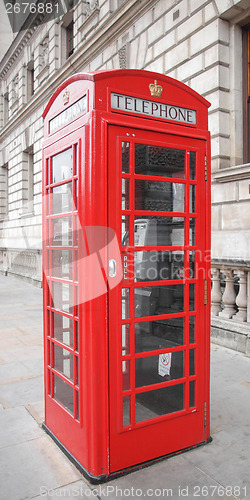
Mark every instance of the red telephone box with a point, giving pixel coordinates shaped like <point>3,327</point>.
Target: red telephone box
<point>126,231</point>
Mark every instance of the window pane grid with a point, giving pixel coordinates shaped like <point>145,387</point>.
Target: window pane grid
<point>62,194</point>
<point>184,214</point>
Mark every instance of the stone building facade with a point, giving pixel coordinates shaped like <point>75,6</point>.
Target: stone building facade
<point>203,43</point>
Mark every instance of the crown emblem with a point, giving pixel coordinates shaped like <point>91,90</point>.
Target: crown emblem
<point>66,97</point>
<point>155,90</point>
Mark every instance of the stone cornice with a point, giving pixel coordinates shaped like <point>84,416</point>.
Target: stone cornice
<point>87,50</point>
<point>17,46</point>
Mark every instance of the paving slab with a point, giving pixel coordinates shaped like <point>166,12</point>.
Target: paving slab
<point>23,392</point>
<point>33,467</point>
<point>36,410</point>
<point>79,489</point>
<point>17,426</point>
<point>14,371</point>
<point>31,339</point>
<point>174,478</point>
<point>23,353</point>
<point>35,366</point>
<point>27,467</point>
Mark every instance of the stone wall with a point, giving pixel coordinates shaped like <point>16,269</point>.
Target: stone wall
<point>198,42</point>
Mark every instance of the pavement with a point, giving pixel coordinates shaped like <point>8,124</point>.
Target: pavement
<point>33,467</point>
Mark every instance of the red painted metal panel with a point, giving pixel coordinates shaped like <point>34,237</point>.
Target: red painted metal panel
<point>167,433</point>
<point>80,112</point>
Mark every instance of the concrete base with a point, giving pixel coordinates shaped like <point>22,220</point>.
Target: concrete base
<point>231,334</point>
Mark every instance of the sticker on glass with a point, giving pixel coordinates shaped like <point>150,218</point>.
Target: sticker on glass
<point>164,364</point>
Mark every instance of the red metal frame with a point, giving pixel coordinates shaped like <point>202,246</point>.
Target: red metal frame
<point>169,427</point>
<point>94,437</point>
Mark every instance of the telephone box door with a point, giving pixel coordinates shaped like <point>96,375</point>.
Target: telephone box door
<point>63,342</point>
<point>157,326</point>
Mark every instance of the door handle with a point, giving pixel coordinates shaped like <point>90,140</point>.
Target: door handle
<point>112,268</point>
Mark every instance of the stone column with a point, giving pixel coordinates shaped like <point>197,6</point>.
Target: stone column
<point>241,299</point>
<point>216,292</point>
<point>229,295</point>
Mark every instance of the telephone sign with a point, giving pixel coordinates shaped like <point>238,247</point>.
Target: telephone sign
<point>126,234</point>
<point>152,108</point>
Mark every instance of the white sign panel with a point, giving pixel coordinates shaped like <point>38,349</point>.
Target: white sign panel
<point>79,107</point>
<point>152,108</point>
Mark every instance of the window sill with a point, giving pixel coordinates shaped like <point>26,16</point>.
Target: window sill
<point>232,173</point>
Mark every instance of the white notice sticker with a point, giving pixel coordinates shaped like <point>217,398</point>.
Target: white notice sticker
<point>164,364</point>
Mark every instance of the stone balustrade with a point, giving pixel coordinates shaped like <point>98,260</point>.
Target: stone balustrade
<point>230,304</point>
<point>229,297</point>
<point>26,264</point>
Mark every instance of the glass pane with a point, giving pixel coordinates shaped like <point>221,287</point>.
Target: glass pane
<point>77,370</point>
<point>76,301</point>
<point>62,231</point>
<point>75,206</point>
<point>63,329</point>
<point>125,157</point>
<point>162,265</point>
<point>159,231</point>
<point>151,404</point>
<point>77,227</point>
<point>192,362</point>
<point>153,335</point>
<point>126,411</point>
<point>192,297</point>
<point>192,165</point>
<point>63,361</point>
<point>192,269</point>
<point>62,264</point>
<point>150,301</point>
<point>48,347</point>
<point>192,238</point>
<point>62,297</point>
<point>47,172</point>
<point>76,266</point>
<point>192,330</point>
<point>156,160</point>
<point>62,198</point>
<point>125,230</point>
<point>125,303</point>
<point>47,194</point>
<point>76,336</point>
<point>62,166</point>
<point>157,369</point>
<point>77,405</point>
<point>192,199</point>
<point>125,375</point>
<point>64,393</point>
<point>125,340</point>
<point>76,159</point>
<point>159,196</point>
<point>125,194</point>
<point>192,394</point>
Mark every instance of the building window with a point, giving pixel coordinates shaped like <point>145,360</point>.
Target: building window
<point>4,198</point>
<point>44,53</point>
<point>246,93</point>
<point>28,181</point>
<point>30,79</point>
<point>69,40</point>
<point>6,105</point>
